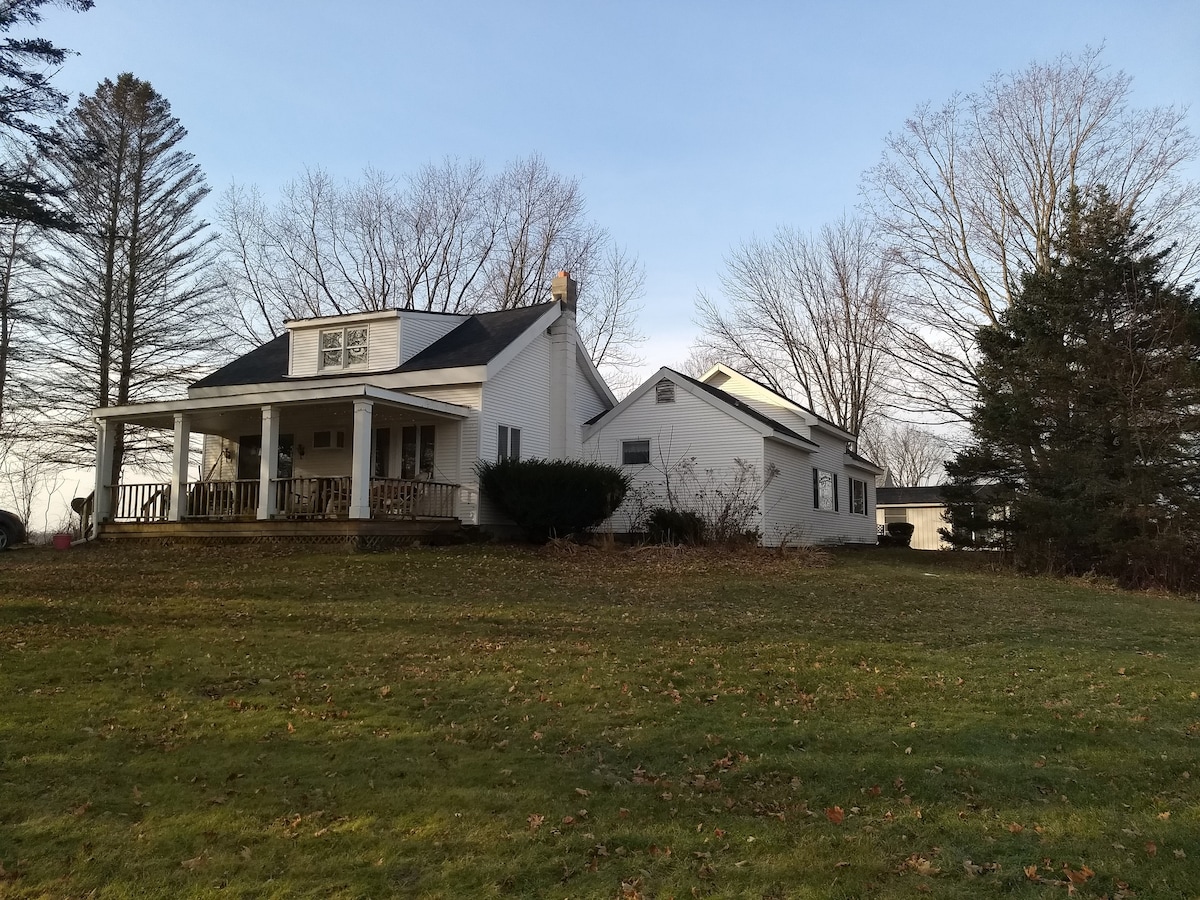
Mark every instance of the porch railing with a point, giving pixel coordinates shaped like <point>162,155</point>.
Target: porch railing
<point>312,498</point>
<point>141,502</point>
<point>402,498</point>
<point>222,499</point>
<point>295,498</point>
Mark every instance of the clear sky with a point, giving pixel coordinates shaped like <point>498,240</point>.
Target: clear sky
<point>691,125</point>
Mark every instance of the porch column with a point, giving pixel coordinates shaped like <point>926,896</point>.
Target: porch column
<point>360,470</point>
<point>102,498</point>
<point>179,467</point>
<point>268,466</point>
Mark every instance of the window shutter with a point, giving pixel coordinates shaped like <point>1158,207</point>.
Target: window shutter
<point>514,447</point>
<point>502,443</point>
<point>816,491</point>
<point>835,493</point>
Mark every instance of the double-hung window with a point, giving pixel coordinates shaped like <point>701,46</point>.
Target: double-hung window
<point>825,490</point>
<point>344,348</point>
<point>508,443</point>
<point>858,497</point>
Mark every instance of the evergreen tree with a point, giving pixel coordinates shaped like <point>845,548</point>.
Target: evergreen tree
<point>1087,424</point>
<point>128,310</point>
<point>26,97</point>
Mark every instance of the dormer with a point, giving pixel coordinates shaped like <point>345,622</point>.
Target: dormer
<point>362,342</point>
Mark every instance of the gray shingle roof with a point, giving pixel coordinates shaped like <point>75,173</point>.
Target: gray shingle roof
<point>900,496</point>
<point>476,342</point>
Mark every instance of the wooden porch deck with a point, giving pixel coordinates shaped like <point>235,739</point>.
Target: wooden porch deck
<point>358,532</point>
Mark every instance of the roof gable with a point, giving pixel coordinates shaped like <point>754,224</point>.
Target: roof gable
<point>476,342</point>
<point>718,398</point>
<point>720,369</point>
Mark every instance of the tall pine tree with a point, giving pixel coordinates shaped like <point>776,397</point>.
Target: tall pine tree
<point>128,311</point>
<point>1087,425</point>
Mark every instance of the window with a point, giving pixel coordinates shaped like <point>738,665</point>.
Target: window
<point>825,492</point>
<point>858,497</point>
<point>635,453</point>
<point>893,515</point>
<point>664,392</point>
<point>417,450</point>
<point>343,348</point>
<point>508,443</point>
<point>328,440</point>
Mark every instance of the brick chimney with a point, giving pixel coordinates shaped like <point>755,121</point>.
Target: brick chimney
<point>566,431</point>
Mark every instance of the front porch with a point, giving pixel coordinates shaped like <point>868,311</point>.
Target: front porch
<point>351,462</point>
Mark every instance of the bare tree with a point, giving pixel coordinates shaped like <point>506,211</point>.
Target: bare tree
<point>127,303</point>
<point>807,314</point>
<point>448,239</point>
<point>911,454</point>
<point>969,195</point>
<point>607,321</point>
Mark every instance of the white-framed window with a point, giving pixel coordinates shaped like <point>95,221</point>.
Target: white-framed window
<point>508,443</point>
<point>825,490</point>
<point>328,440</point>
<point>664,392</point>
<point>635,453</point>
<point>344,348</point>
<point>858,497</point>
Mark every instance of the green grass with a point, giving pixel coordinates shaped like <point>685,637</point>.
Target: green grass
<point>485,722</point>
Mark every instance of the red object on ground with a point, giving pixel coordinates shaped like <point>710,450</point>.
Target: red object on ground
<point>62,542</point>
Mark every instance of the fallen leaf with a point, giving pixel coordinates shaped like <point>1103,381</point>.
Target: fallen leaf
<point>1151,848</point>
<point>535,821</point>
<point>291,728</point>
<point>1179,854</point>
<point>1014,828</point>
<point>1164,815</point>
<point>835,814</point>
<point>80,810</point>
<point>1031,873</point>
<point>194,863</point>
<point>1079,877</point>
<point>583,793</point>
<point>842,865</point>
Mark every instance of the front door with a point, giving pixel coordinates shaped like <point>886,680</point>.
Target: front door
<point>250,456</point>
<point>417,450</point>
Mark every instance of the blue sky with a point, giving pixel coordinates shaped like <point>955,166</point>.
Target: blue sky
<point>692,126</point>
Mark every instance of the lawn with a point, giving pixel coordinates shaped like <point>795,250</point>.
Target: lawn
<point>483,722</point>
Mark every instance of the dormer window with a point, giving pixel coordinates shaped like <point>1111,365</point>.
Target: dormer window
<point>664,392</point>
<point>344,348</point>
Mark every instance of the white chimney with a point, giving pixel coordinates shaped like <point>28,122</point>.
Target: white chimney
<point>566,431</point>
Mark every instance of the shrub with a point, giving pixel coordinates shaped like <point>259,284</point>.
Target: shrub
<point>553,498</point>
<point>674,526</point>
<point>900,533</point>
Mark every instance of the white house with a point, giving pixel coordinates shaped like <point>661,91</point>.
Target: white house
<point>359,423</point>
<point>693,437</point>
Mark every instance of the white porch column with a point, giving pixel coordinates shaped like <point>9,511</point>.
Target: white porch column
<point>102,498</point>
<point>268,466</point>
<point>360,470</point>
<point>179,467</point>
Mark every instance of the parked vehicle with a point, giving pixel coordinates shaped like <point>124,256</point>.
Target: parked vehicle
<point>12,530</point>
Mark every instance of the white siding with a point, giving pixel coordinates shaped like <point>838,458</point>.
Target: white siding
<point>383,348</point>
<point>788,509</point>
<point>688,429</point>
<point>588,402</point>
<point>517,396</point>
<point>449,458</point>
<point>926,520</point>
<point>762,400</point>
<point>419,329</point>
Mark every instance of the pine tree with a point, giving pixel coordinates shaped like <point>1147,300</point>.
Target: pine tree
<point>1087,425</point>
<point>129,307</point>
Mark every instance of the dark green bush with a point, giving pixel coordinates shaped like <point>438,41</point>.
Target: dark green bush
<point>900,533</point>
<point>553,498</point>
<point>674,526</point>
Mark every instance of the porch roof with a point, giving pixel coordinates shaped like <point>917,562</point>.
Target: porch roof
<point>162,413</point>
